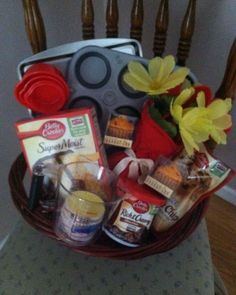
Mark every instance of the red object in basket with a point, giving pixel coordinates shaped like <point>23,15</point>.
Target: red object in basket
<point>151,140</point>
<point>42,89</point>
<point>140,192</point>
<point>207,91</point>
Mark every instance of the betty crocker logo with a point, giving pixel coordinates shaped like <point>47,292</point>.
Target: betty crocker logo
<point>53,130</point>
<point>141,207</point>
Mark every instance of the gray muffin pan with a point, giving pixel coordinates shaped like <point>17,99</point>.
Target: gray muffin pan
<point>60,56</point>
<point>95,77</point>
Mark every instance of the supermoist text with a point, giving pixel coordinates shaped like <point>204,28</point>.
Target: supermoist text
<point>65,144</point>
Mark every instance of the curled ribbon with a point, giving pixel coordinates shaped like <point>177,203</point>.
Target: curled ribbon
<point>135,165</point>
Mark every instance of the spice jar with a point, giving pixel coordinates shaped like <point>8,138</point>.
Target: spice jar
<point>130,222</point>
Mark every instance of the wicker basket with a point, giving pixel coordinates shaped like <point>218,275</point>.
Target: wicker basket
<point>104,247</point>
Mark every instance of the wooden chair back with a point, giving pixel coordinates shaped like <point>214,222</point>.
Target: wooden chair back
<point>37,36</point>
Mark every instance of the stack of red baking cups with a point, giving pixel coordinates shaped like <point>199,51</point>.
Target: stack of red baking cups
<point>43,89</point>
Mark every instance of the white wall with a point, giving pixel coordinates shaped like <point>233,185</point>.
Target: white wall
<point>215,31</point>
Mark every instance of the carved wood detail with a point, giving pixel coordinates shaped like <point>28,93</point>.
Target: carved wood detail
<point>34,25</point>
<point>228,85</point>
<point>87,16</point>
<point>137,14</point>
<point>112,19</point>
<point>161,27</point>
<point>186,33</point>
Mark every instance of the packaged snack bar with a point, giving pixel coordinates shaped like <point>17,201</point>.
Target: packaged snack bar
<point>68,137</point>
<point>203,175</point>
<point>166,177</point>
<point>120,131</point>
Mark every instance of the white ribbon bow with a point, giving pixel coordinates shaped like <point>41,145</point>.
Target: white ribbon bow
<point>136,165</point>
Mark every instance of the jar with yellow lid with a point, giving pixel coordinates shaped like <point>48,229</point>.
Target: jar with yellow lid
<point>80,217</point>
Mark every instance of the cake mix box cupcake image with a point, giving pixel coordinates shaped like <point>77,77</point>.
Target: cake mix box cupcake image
<point>120,130</point>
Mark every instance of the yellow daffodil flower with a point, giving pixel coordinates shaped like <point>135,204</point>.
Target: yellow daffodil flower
<point>158,79</point>
<point>197,124</point>
<point>217,112</point>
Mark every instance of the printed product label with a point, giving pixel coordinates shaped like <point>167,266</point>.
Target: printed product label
<point>71,134</point>
<point>132,222</point>
<point>218,169</point>
<point>116,141</point>
<point>78,126</point>
<point>78,227</point>
<point>158,186</point>
<point>120,130</point>
<point>205,175</point>
<point>52,130</point>
<point>135,216</point>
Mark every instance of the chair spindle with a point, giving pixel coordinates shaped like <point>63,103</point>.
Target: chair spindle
<point>112,19</point>
<point>87,16</point>
<point>228,85</point>
<point>137,20</point>
<point>161,27</point>
<point>34,25</point>
<point>186,33</point>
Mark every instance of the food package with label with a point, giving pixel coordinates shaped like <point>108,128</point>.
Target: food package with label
<point>61,139</point>
<point>185,181</point>
<point>80,218</point>
<point>130,221</point>
<point>120,130</point>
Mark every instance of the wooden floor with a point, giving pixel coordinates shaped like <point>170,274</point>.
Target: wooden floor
<point>221,222</point>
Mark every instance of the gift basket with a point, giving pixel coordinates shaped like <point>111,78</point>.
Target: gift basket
<point>117,147</point>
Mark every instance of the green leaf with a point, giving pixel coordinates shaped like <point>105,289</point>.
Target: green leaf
<point>162,102</point>
<point>165,125</point>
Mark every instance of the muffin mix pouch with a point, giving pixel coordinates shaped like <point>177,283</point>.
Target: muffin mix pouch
<point>198,177</point>
<point>120,130</point>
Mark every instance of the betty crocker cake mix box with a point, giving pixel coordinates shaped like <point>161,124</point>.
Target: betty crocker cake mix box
<point>67,137</point>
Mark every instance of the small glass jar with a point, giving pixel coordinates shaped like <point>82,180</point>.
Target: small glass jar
<point>85,196</point>
<point>80,217</point>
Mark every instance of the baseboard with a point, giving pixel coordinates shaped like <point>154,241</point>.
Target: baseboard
<point>228,194</point>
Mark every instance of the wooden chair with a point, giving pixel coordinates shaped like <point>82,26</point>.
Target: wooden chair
<point>37,36</point>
